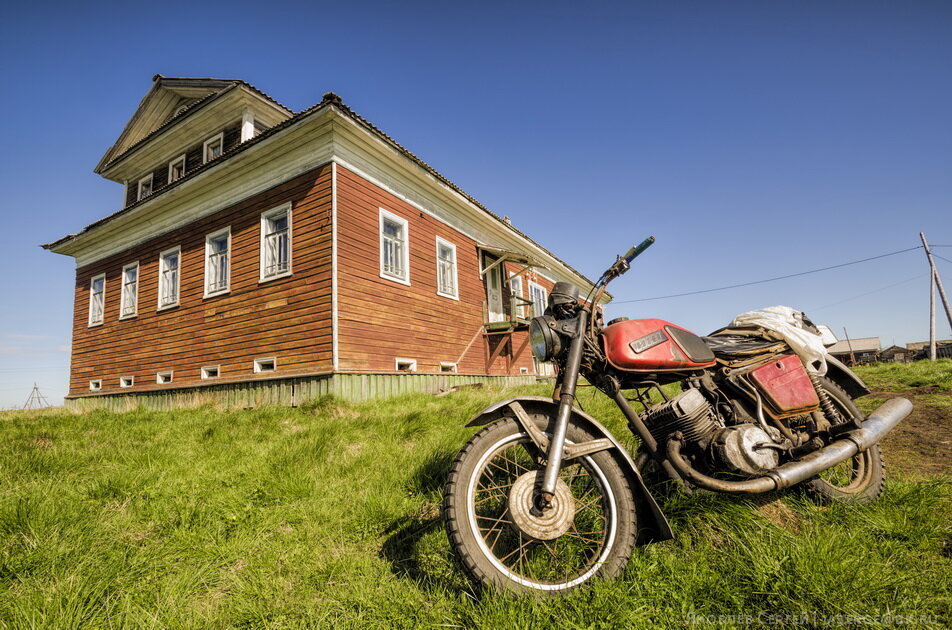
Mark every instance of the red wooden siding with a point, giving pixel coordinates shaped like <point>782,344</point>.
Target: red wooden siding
<point>380,319</point>
<point>288,318</point>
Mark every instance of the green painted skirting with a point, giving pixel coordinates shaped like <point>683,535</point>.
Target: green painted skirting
<point>291,392</point>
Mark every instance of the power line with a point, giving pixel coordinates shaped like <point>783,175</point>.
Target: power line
<point>792,275</point>
<point>941,258</point>
<point>855,297</point>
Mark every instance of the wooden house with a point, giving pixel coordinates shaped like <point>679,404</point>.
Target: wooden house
<point>269,256</point>
<point>859,351</point>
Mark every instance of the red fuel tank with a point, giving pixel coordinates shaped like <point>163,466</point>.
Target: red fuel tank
<point>653,345</point>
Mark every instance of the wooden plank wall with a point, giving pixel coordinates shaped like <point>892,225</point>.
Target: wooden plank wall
<point>289,318</point>
<point>380,320</point>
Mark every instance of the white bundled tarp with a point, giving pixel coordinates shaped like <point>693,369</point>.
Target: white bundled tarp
<point>787,324</point>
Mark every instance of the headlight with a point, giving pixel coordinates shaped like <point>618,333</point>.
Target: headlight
<point>545,343</point>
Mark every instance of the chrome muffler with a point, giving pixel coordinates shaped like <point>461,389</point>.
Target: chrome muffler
<point>878,424</point>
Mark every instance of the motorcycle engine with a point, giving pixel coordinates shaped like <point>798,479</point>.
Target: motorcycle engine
<point>745,449</point>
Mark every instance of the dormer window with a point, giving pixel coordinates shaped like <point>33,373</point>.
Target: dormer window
<point>213,147</point>
<point>177,168</point>
<point>145,187</point>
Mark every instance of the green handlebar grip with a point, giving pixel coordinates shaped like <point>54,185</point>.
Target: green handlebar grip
<point>634,252</point>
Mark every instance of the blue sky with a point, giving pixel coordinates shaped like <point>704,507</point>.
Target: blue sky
<point>753,139</point>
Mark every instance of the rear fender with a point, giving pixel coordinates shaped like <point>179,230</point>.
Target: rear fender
<point>652,524</point>
<point>846,378</point>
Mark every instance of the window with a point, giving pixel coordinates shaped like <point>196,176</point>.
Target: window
<point>169,263</point>
<point>405,365</point>
<point>276,243</point>
<point>539,298</point>
<point>210,371</point>
<point>177,168</point>
<point>145,187</point>
<point>129,301</point>
<point>95,386</point>
<point>445,366</point>
<point>217,262</point>
<point>394,248</point>
<point>213,148</point>
<point>127,381</point>
<point>97,299</point>
<point>517,303</point>
<point>523,370</point>
<point>265,365</point>
<point>163,377</point>
<point>446,269</point>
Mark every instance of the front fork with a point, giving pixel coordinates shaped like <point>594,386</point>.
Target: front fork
<point>568,382</point>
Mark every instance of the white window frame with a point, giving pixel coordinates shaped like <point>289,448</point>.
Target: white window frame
<point>517,305</point>
<point>448,367</point>
<point>102,304</point>
<point>218,137</point>
<point>206,372</point>
<point>411,363</point>
<point>259,367</point>
<point>386,215</point>
<point>95,385</point>
<point>160,375</point>
<point>536,285</point>
<point>172,163</point>
<point>454,294</point>
<point>178,278</point>
<point>122,292</point>
<point>226,232</point>
<point>265,217</point>
<point>127,381</point>
<point>146,179</point>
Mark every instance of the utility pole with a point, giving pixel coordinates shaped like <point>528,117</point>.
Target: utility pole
<point>36,399</point>
<point>849,344</point>
<point>932,316</point>
<point>937,278</point>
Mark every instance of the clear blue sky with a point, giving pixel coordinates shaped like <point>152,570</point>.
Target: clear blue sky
<point>753,139</point>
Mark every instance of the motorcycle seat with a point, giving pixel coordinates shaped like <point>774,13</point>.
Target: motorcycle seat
<point>731,345</point>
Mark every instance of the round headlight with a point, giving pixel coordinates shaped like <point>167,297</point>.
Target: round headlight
<point>545,343</point>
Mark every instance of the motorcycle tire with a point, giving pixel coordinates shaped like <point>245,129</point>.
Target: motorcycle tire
<point>859,479</point>
<point>503,545</point>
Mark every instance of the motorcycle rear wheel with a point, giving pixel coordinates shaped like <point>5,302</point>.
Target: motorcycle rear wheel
<point>504,546</point>
<point>859,479</point>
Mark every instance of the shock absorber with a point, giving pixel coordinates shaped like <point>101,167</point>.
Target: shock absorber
<point>832,415</point>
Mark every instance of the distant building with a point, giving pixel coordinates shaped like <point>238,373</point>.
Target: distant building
<point>856,351</point>
<point>896,354</point>
<point>920,349</point>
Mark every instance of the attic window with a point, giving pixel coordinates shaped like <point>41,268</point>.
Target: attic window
<point>176,168</point>
<point>405,365</point>
<point>213,147</point>
<point>265,365</point>
<point>145,187</point>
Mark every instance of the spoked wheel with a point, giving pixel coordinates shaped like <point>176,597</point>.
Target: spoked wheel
<point>858,479</point>
<point>504,539</point>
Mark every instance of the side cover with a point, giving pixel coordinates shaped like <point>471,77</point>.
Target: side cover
<point>653,345</point>
<point>652,524</point>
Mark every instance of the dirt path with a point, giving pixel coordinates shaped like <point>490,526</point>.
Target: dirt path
<point>922,443</point>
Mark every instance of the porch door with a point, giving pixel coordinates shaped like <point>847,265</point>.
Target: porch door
<point>494,291</point>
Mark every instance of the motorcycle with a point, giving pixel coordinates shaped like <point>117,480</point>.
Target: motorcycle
<point>543,498</point>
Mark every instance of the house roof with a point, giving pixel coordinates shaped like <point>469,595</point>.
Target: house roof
<point>330,100</point>
<point>862,344</point>
<point>920,345</point>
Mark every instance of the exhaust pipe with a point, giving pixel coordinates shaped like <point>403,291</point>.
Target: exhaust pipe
<point>878,424</point>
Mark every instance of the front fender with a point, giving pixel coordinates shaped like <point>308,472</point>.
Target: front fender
<point>652,524</point>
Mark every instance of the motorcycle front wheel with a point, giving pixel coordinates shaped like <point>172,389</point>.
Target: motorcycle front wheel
<point>504,541</point>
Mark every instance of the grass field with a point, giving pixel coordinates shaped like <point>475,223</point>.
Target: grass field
<point>327,516</point>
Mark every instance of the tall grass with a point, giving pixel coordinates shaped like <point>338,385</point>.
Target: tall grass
<point>327,516</point>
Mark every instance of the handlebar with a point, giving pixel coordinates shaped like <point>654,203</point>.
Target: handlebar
<point>636,251</point>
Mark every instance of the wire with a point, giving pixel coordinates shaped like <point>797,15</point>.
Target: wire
<point>888,286</point>
<point>942,258</point>
<point>792,275</point>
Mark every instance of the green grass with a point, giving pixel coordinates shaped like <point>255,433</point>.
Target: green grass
<point>886,376</point>
<point>327,516</point>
